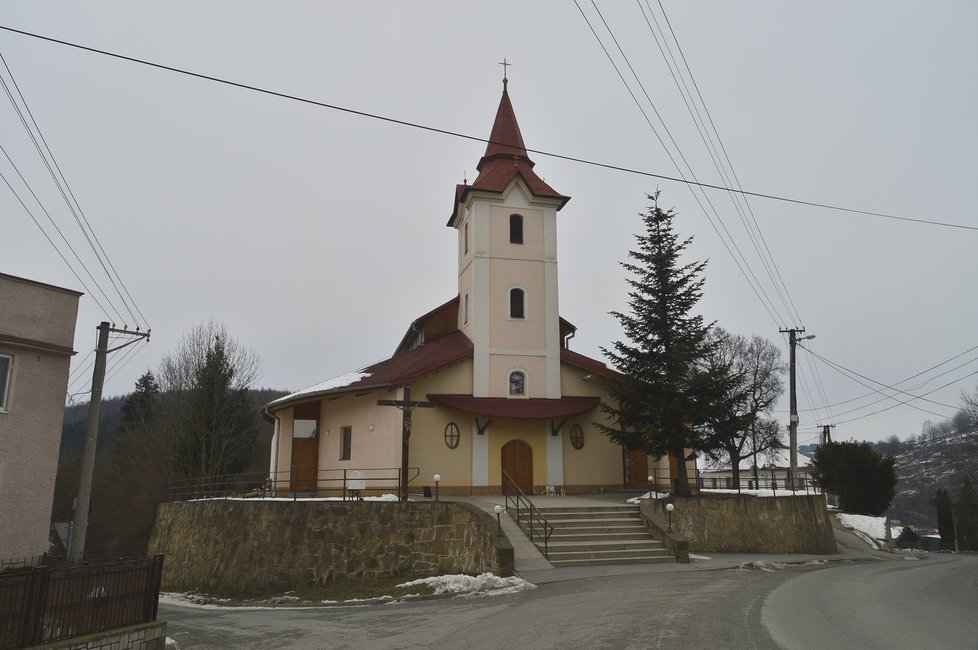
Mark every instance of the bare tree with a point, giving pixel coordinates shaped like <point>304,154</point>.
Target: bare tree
<point>756,364</point>
<point>206,410</point>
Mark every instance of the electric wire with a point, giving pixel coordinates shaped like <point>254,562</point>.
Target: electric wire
<point>723,149</point>
<point>693,110</point>
<point>57,250</point>
<point>61,189</point>
<point>454,134</point>
<point>754,285</point>
<point>852,374</point>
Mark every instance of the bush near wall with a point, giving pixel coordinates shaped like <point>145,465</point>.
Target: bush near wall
<point>256,547</point>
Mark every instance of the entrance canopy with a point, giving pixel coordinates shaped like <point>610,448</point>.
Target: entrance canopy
<point>502,407</point>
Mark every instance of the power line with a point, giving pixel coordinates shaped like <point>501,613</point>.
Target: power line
<point>61,184</point>
<point>391,120</point>
<point>755,285</point>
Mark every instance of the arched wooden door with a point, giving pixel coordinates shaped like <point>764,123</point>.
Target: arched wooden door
<point>517,461</point>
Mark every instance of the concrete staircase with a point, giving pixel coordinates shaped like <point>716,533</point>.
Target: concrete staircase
<point>601,534</point>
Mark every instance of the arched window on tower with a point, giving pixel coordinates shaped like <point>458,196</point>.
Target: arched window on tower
<point>517,307</point>
<point>517,383</point>
<point>515,229</point>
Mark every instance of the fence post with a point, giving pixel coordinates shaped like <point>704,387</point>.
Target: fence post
<point>32,628</point>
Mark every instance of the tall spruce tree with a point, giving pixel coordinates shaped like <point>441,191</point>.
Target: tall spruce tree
<point>664,404</point>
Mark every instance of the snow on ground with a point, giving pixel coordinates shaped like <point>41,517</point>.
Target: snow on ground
<point>465,586</point>
<point>462,586</point>
<point>382,497</point>
<point>871,529</point>
<point>654,495</point>
<point>759,493</point>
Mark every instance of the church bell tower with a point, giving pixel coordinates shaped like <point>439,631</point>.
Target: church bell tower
<point>507,268</point>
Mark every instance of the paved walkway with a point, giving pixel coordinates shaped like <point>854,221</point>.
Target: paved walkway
<point>533,566</point>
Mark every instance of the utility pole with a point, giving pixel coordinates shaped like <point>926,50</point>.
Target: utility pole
<point>79,528</point>
<point>793,421</point>
<point>827,433</point>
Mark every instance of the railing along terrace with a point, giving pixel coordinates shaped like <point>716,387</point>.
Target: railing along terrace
<point>44,605</point>
<point>345,483</point>
<point>526,511</point>
<point>765,480</point>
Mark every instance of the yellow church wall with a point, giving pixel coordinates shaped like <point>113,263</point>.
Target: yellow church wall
<point>599,462</point>
<point>535,369</point>
<point>533,241</point>
<point>532,432</point>
<point>517,333</point>
<point>428,450</point>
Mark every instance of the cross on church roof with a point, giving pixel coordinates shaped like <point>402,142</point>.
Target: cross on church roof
<point>505,65</point>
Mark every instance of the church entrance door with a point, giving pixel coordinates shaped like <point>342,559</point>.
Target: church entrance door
<point>636,470</point>
<point>517,461</point>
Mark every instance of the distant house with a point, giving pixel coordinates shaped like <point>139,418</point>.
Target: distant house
<point>37,330</point>
<point>772,470</point>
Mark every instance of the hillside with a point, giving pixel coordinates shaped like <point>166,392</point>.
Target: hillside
<point>924,466</point>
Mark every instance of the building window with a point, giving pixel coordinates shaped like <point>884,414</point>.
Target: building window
<point>515,229</point>
<point>451,435</point>
<point>466,235</point>
<point>577,436</point>
<point>6,365</point>
<point>347,434</point>
<point>517,383</point>
<point>517,308</point>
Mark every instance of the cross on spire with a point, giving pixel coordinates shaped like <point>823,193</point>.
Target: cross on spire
<point>505,65</point>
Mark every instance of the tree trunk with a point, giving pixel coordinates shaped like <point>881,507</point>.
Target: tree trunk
<point>681,482</point>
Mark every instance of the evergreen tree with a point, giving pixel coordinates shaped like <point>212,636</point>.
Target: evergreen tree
<point>664,404</point>
<point>966,511</point>
<point>864,480</point>
<point>945,519</point>
<point>142,405</point>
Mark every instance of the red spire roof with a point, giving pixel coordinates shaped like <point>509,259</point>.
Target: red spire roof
<point>505,159</point>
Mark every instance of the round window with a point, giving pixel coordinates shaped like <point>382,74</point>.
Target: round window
<point>451,435</point>
<point>577,436</point>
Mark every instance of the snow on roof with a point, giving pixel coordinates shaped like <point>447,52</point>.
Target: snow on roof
<point>330,384</point>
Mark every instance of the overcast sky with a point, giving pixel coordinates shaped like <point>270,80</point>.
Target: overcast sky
<point>317,236</point>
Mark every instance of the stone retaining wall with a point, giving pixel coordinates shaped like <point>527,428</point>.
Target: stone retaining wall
<point>144,636</point>
<point>251,547</point>
<point>749,524</point>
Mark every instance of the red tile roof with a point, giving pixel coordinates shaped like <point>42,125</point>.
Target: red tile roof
<point>505,159</point>
<point>532,408</point>
<point>397,370</point>
<point>587,363</point>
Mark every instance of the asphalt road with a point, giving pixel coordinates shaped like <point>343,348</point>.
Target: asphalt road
<point>701,609</point>
<point>930,603</point>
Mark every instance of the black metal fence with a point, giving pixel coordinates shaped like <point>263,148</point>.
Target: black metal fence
<point>44,604</point>
<point>346,483</point>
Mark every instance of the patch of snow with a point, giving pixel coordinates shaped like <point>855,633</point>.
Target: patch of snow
<point>647,495</point>
<point>486,584</point>
<point>330,384</point>
<point>171,644</point>
<point>382,497</point>
<point>760,493</point>
<point>871,527</point>
<point>693,556</point>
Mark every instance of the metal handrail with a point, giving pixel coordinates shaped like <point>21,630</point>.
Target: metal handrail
<point>533,516</point>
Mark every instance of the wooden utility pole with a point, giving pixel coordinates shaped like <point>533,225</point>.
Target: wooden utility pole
<point>406,405</point>
<point>793,421</point>
<point>79,528</point>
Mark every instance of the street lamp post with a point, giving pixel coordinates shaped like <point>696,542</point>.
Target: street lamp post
<point>498,509</point>
<point>437,478</point>
<point>670,507</point>
<point>651,492</point>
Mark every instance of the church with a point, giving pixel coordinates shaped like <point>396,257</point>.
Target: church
<point>482,391</point>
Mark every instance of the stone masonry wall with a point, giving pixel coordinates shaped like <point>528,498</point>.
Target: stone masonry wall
<point>145,636</point>
<point>749,524</point>
<point>251,547</point>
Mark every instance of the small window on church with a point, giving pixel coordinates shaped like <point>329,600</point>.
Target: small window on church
<point>577,436</point>
<point>517,308</point>
<point>517,383</point>
<point>515,229</point>
<point>347,442</point>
